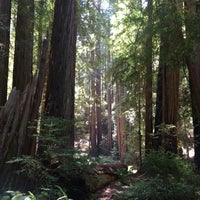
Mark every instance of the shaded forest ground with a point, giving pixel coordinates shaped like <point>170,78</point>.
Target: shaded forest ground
<point>164,176</point>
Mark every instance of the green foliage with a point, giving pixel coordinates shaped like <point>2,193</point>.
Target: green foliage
<point>158,189</point>
<point>16,195</point>
<point>54,193</point>
<point>54,164</point>
<point>123,173</point>
<point>166,164</point>
<point>76,163</point>
<point>167,177</point>
<point>52,138</point>
<point>34,169</point>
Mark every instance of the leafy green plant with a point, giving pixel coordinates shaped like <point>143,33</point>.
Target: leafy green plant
<point>75,163</point>
<point>158,189</point>
<point>123,173</point>
<point>16,195</point>
<point>54,193</point>
<point>167,176</point>
<point>166,164</point>
<point>34,169</point>
<point>54,165</point>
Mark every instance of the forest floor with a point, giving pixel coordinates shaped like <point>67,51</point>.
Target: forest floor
<point>115,188</point>
<point>110,191</point>
<point>118,187</point>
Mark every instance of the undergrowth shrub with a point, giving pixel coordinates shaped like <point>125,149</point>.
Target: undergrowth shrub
<point>54,164</point>
<point>54,193</point>
<point>158,189</point>
<point>66,173</point>
<point>167,176</point>
<point>167,164</point>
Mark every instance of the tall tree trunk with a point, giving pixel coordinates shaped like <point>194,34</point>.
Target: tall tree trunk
<point>15,141</point>
<point>120,125</point>
<point>148,92</point>
<point>168,79</point>
<point>40,31</point>
<point>192,10</point>
<point>98,83</point>
<point>61,82</point>
<point>5,16</point>
<point>23,58</point>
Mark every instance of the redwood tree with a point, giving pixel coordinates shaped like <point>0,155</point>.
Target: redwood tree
<point>23,58</point>
<point>120,123</point>
<point>171,42</point>
<point>5,16</point>
<point>192,10</point>
<point>60,89</point>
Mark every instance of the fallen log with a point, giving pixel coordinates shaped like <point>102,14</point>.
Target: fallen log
<point>96,178</point>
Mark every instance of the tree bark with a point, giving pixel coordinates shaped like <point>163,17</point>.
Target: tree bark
<point>5,16</point>
<point>61,81</point>
<point>168,79</point>
<point>120,125</point>
<point>23,58</point>
<point>192,10</point>
<point>16,138</point>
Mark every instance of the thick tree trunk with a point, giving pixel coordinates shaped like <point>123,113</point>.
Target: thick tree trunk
<point>15,136</point>
<point>193,61</point>
<point>61,82</point>
<point>194,78</point>
<point>168,80</point>
<point>23,58</point>
<point>96,135</point>
<point>167,113</point>
<point>5,16</point>
<point>31,146</point>
<point>14,118</point>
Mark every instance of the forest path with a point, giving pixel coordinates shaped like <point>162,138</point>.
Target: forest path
<point>118,187</point>
<point>110,191</point>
